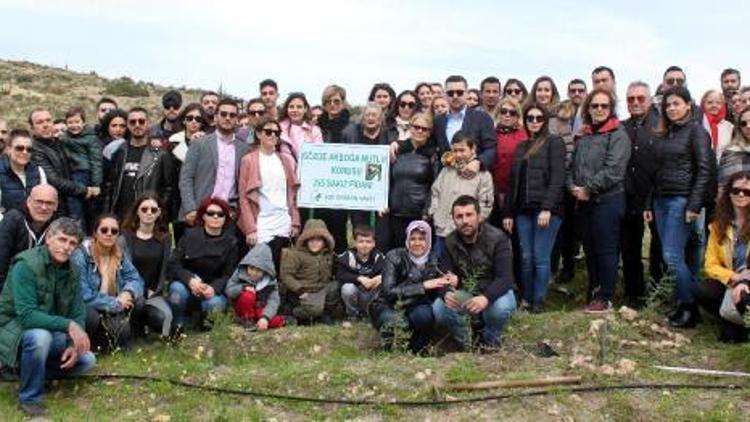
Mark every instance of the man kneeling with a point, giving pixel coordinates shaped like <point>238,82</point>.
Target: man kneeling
<point>42,316</point>
<point>481,256</point>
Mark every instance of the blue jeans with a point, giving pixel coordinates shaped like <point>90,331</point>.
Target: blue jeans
<point>536,251</point>
<point>421,322</point>
<point>40,355</point>
<point>669,213</point>
<point>696,245</point>
<point>77,204</point>
<point>493,320</point>
<point>180,299</point>
<point>438,246</point>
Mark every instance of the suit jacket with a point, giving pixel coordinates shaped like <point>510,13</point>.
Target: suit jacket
<point>198,172</point>
<point>478,125</point>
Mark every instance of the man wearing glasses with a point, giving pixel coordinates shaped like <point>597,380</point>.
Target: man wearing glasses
<point>255,110</point>
<point>169,124</point>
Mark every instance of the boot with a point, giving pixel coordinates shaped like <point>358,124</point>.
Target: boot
<point>687,316</point>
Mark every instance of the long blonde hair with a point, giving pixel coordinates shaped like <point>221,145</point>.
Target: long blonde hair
<point>107,260</point>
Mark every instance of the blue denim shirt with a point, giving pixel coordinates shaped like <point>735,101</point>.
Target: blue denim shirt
<point>453,123</point>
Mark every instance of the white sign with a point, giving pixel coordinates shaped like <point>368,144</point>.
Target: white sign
<point>344,176</point>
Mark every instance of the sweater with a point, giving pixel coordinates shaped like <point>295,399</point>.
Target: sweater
<point>449,186</point>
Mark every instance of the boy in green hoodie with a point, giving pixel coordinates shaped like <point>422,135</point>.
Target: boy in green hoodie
<point>254,292</point>
<point>85,153</point>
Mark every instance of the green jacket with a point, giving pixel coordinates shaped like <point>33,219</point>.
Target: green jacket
<point>304,272</point>
<point>37,294</point>
<point>85,153</point>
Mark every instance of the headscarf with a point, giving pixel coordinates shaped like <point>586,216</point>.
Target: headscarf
<point>421,226</point>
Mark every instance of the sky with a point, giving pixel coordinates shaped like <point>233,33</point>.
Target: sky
<point>306,45</point>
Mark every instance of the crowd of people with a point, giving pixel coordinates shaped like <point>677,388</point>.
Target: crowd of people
<point>138,226</point>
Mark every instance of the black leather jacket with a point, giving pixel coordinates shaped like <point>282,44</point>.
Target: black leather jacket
<point>641,163</point>
<point>412,175</point>
<point>402,281</point>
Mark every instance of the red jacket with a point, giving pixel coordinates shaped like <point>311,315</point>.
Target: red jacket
<point>507,142</point>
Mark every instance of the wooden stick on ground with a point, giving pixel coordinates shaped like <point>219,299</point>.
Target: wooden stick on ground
<point>538,382</point>
<point>697,371</point>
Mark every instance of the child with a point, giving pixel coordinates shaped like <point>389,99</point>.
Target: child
<point>254,292</point>
<point>358,270</point>
<point>450,184</point>
<point>306,271</point>
<point>85,153</point>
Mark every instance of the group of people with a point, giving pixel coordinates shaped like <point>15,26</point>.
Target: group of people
<point>126,228</point>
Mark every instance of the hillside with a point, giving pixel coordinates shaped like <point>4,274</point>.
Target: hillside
<point>25,85</point>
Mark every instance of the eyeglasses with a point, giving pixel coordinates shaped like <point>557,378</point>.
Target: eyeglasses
<point>598,106</point>
<point>334,101</point>
<point>532,118</point>
<point>215,214</point>
<point>109,230</point>
<point>136,122</point>
<point>513,91</point>
<point>744,123</point>
<point>419,128</point>
<point>674,81</point>
<point>455,93</point>
<point>738,191</point>
<point>577,90</point>
<point>271,132</point>
<point>636,99</point>
<point>191,118</point>
<point>407,104</point>
<point>43,203</point>
<point>23,148</point>
<point>172,107</point>
<point>229,114</point>
<point>256,113</point>
<point>508,112</point>
<point>152,210</point>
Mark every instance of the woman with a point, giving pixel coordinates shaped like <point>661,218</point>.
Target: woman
<point>412,175</point>
<point>736,157</point>
<point>193,120</point>
<point>110,285</point>
<point>383,94</point>
<point>714,114</point>
<point>596,180</point>
<point>424,93</point>
<point>112,132</point>
<point>148,245</point>
<point>535,201</point>
<point>335,116</point>
<point>296,127</point>
<point>439,105</point>
<point>202,262</point>
<point>17,175</point>
<point>267,192</point>
<point>473,98</point>
<point>510,133</point>
<point>516,90</point>
<point>407,104</point>
<point>681,179</point>
<point>315,112</point>
<point>725,292</point>
<point>411,281</point>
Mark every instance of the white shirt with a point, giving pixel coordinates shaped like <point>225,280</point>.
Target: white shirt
<point>273,216</point>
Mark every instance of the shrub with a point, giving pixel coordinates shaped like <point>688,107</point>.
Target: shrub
<point>126,87</point>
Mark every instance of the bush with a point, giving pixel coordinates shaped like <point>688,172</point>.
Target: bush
<point>126,87</point>
<point>21,79</point>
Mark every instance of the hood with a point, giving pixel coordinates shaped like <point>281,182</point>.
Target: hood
<point>259,257</point>
<point>315,228</point>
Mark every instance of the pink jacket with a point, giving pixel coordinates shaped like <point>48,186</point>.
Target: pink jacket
<point>293,136</point>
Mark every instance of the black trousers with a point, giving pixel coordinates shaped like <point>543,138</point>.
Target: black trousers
<point>566,243</point>
<point>108,331</point>
<point>633,228</point>
<point>336,221</point>
<point>709,294</point>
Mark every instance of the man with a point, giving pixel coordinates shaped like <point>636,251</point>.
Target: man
<point>170,123</point>
<point>212,165</point>
<point>42,316</point>
<point>269,93</point>
<point>476,123</point>
<point>137,167</point>
<point>490,90</point>
<point>3,135</point>
<point>255,110</point>
<point>640,126</point>
<point>479,254</point>
<point>603,77</point>
<point>104,106</point>
<point>209,101</point>
<point>50,155</point>
<point>576,95</point>
<point>25,228</point>
<point>730,81</point>
<point>674,77</point>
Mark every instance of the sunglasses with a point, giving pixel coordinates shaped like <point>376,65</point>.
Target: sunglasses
<point>215,214</point>
<point>534,118</point>
<point>172,107</point>
<point>577,90</point>
<point>508,112</point>
<point>737,191</point>
<point>744,123</point>
<point>256,113</point>
<point>598,106</point>
<point>229,114</point>
<point>109,230</point>
<point>636,99</point>
<point>513,91</point>
<point>136,122</point>
<point>455,93</point>
<point>196,119</point>
<point>23,148</point>
<point>405,104</point>
<point>674,81</point>
<point>152,210</point>
<point>272,132</point>
<point>334,102</point>
<point>419,128</point>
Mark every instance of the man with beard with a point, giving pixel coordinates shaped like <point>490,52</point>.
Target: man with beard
<point>209,102</point>
<point>170,123</point>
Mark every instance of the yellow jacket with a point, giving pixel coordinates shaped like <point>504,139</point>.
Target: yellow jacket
<point>718,263</point>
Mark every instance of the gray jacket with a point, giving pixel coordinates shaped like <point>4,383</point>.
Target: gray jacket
<point>600,160</point>
<point>198,173</point>
<point>266,289</point>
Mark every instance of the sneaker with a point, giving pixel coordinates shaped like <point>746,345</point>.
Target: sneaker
<point>598,307</point>
<point>33,410</point>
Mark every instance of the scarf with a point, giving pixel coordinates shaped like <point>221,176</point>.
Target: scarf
<point>713,124</point>
<point>107,265</point>
<point>422,226</point>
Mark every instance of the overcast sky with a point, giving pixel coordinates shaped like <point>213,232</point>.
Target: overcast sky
<point>306,45</point>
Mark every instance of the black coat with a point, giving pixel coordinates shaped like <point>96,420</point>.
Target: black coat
<point>213,259</point>
<point>641,163</point>
<point>50,155</point>
<point>412,175</point>
<point>353,134</point>
<point>402,282</point>
<point>545,177</point>
<point>17,235</point>
<point>14,193</point>
<point>478,125</point>
<point>332,129</point>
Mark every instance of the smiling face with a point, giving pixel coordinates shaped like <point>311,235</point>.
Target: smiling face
<point>543,93</point>
<point>269,137</point>
<point>713,102</point>
<point>417,243</point>
<point>20,151</point>
<point>296,111</point>
<point>425,95</point>
<point>420,130</point>
<point>74,124</point>
<point>740,194</point>
<point>407,106</point>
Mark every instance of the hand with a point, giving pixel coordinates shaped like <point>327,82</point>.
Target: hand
<point>375,282</point>
<point>543,219</point>
<point>737,292</point>
<point>190,218</point>
<point>691,216</point>
<point>208,291</point>
<point>302,296</point>
<point>90,192</point>
<point>69,358</point>
<point>508,225</point>
<point>435,283</point>
<point>261,325</point>
<point>156,143</point>
<point>393,151</point>
<point>450,300</point>
<point>452,279</point>
<point>251,238</point>
<point>476,304</point>
<point>95,190</point>
<point>295,232</point>
<point>196,286</point>
<point>648,216</point>
<point>581,193</point>
<point>197,135</point>
<point>382,212</point>
<point>249,289</point>
<point>126,300</point>
<point>471,169</point>
<point>79,337</point>
<point>366,282</point>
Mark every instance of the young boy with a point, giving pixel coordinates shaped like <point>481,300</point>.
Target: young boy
<point>85,153</point>
<point>358,270</point>
<point>306,271</point>
<point>254,292</point>
<point>450,184</point>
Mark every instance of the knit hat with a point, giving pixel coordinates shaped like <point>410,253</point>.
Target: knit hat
<point>171,98</point>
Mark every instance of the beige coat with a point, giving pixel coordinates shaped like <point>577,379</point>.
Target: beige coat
<point>449,186</point>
